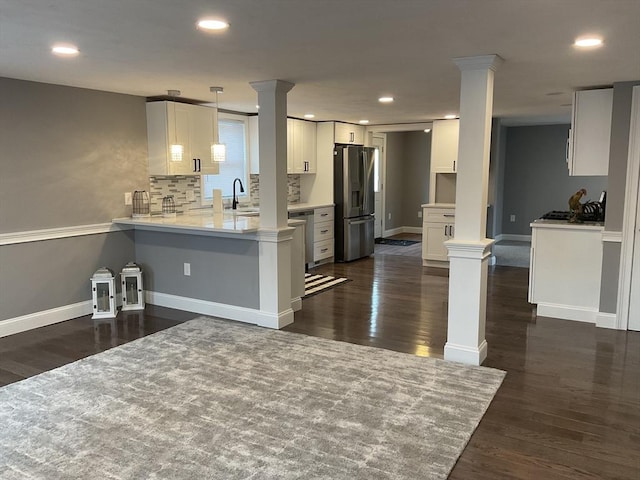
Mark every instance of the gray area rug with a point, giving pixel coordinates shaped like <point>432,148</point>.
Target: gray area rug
<point>211,399</point>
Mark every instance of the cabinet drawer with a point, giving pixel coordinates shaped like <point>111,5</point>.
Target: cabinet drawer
<point>322,250</point>
<point>446,215</point>
<point>323,231</point>
<point>322,214</point>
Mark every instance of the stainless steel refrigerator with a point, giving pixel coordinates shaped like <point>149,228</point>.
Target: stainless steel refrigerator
<point>354,198</point>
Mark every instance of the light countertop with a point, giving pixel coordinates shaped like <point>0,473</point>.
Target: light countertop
<point>438,205</point>
<point>202,222</point>
<point>563,224</point>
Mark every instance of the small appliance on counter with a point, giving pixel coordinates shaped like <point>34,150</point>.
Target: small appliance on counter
<point>168,207</point>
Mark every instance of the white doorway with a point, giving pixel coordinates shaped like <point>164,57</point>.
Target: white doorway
<point>377,143</point>
<point>634,297</point>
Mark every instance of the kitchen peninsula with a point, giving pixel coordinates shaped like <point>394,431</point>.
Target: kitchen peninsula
<point>210,264</point>
<point>565,269</point>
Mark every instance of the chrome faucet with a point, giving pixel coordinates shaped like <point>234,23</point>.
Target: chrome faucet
<point>234,205</point>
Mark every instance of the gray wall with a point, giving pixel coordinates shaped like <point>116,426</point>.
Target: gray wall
<point>68,155</point>
<point>496,178</point>
<point>394,188</point>
<point>618,158</point>
<point>415,173</point>
<point>407,182</point>
<point>218,267</point>
<point>38,276</point>
<point>536,179</point>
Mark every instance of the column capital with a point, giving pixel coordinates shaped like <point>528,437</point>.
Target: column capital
<point>272,86</point>
<point>480,62</point>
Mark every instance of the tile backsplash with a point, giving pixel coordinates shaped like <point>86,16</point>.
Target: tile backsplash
<point>293,190</point>
<point>178,185</point>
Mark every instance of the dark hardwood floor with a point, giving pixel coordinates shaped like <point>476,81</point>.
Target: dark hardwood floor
<point>569,407</point>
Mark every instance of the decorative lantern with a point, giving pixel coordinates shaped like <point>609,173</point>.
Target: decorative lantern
<point>168,207</point>
<point>132,293</point>
<point>103,287</point>
<point>141,205</point>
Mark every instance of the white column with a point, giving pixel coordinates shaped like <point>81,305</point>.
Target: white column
<point>274,235</point>
<point>470,250</point>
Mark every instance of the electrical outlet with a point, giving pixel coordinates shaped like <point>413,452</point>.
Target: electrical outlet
<point>419,213</point>
<point>187,269</point>
<point>512,218</point>
<point>389,216</point>
<point>127,198</point>
<point>191,196</point>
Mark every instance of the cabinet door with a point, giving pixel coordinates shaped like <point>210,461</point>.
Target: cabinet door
<point>179,132</point>
<point>347,133</point>
<point>202,125</point>
<point>290,146</point>
<point>434,235</point>
<point>444,146</point>
<point>590,132</point>
<point>308,147</point>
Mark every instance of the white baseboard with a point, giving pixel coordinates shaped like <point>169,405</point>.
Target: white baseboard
<point>513,237</point>
<point>392,232</point>
<point>567,312</point>
<point>222,310</point>
<point>399,230</point>
<point>606,320</point>
<point>465,354</point>
<point>296,304</point>
<point>44,318</point>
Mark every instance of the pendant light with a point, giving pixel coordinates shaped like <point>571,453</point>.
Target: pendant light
<point>177,149</point>
<point>218,150</point>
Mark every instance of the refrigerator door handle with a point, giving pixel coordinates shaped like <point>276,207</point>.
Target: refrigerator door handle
<point>361,222</point>
<point>366,200</point>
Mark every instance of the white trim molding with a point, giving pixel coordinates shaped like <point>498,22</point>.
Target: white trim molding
<point>513,237</point>
<point>611,236</point>
<point>56,233</point>
<point>567,312</point>
<point>44,318</point>
<point>399,230</point>
<point>631,198</point>
<point>465,354</point>
<point>606,320</point>
<point>220,310</point>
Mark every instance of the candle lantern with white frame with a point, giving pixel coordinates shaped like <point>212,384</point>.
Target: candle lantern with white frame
<point>103,289</point>
<point>132,292</point>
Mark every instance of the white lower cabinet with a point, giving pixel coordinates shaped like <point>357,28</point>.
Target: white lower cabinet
<point>323,238</point>
<point>438,226</point>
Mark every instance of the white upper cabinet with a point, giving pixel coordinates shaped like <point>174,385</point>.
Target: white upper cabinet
<point>349,133</point>
<point>301,146</point>
<point>192,127</point>
<point>588,144</point>
<point>444,146</point>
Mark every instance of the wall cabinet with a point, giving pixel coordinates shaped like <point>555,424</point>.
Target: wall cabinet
<point>444,146</point>
<point>348,133</point>
<point>191,126</point>
<point>301,146</point>
<point>588,143</point>
<point>438,226</point>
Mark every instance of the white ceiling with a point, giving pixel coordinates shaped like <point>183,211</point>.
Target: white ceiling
<point>341,54</point>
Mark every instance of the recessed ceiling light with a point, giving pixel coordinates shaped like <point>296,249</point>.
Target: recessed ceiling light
<point>364,122</point>
<point>65,50</point>
<point>586,42</point>
<point>309,115</point>
<point>451,116</point>
<point>385,99</point>
<point>258,107</point>
<point>212,24</point>
<point>427,130</point>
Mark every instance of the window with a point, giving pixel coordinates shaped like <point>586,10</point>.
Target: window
<point>376,170</point>
<point>232,131</point>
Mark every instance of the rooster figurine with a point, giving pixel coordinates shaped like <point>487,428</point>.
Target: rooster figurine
<point>575,206</point>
